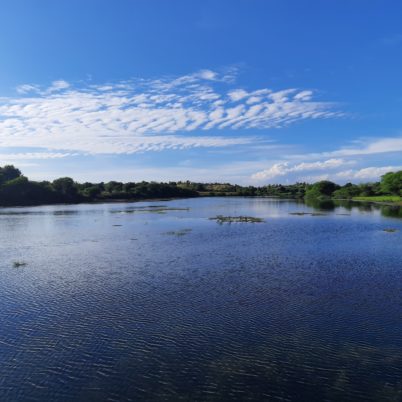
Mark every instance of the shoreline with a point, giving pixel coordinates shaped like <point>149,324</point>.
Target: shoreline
<point>88,202</point>
<point>135,200</point>
<point>388,203</point>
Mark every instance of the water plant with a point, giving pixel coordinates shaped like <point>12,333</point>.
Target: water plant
<point>179,233</point>
<point>17,264</point>
<point>307,213</point>
<point>149,209</point>
<point>236,219</point>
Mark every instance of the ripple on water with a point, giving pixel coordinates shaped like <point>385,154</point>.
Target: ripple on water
<point>305,309</point>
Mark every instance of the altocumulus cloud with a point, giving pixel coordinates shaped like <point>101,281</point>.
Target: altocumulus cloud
<point>142,115</point>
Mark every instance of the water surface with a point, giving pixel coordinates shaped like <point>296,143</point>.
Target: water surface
<point>154,301</point>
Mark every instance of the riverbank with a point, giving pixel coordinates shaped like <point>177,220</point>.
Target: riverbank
<point>381,199</point>
<point>96,201</point>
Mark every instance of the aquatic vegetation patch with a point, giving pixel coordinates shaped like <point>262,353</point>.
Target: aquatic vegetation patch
<point>153,209</point>
<point>18,264</point>
<point>236,219</point>
<point>307,213</point>
<point>181,232</point>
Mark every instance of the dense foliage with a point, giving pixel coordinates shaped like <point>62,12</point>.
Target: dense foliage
<point>390,186</point>
<point>321,189</point>
<point>389,189</point>
<point>225,189</point>
<point>16,189</point>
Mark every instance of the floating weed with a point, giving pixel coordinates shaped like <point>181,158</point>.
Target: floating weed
<point>153,209</point>
<point>307,213</point>
<point>179,233</point>
<point>149,206</point>
<point>236,219</point>
<point>18,264</point>
<point>390,230</point>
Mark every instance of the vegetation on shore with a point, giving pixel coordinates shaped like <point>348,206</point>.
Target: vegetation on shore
<point>226,189</point>
<point>380,198</point>
<point>388,190</point>
<point>16,189</point>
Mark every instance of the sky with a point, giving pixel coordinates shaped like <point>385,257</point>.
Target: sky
<point>242,91</point>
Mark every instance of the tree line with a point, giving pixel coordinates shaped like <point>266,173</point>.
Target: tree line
<point>390,184</point>
<point>17,189</point>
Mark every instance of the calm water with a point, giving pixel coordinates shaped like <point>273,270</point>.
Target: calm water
<point>153,301</point>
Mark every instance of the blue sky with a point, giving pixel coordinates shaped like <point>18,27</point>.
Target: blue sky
<point>244,91</point>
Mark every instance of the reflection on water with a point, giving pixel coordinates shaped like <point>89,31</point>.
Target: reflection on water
<point>115,306</point>
<point>394,211</point>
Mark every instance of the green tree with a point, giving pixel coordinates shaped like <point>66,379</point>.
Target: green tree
<point>391,183</point>
<point>66,187</point>
<point>348,191</point>
<point>92,192</point>
<point>9,172</point>
<point>114,187</point>
<point>321,189</point>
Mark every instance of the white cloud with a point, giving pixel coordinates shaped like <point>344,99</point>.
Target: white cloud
<point>58,85</point>
<point>26,88</point>
<point>32,88</point>
<point>367,147</point>
<point>304,95</point>
<point>33,155</point>
<point>237,94</point>
<point>368,173</point>
<point>208,75</point>
<point>147,115</point>
<point>284,168</point>
<point>321,165</point>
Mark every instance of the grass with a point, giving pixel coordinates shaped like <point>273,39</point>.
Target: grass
<point>236,219</point>
<point>379,198</point>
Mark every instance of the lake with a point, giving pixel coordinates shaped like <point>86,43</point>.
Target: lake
<point>153,301</point>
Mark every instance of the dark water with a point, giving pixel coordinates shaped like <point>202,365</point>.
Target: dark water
<point>127,302</point>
